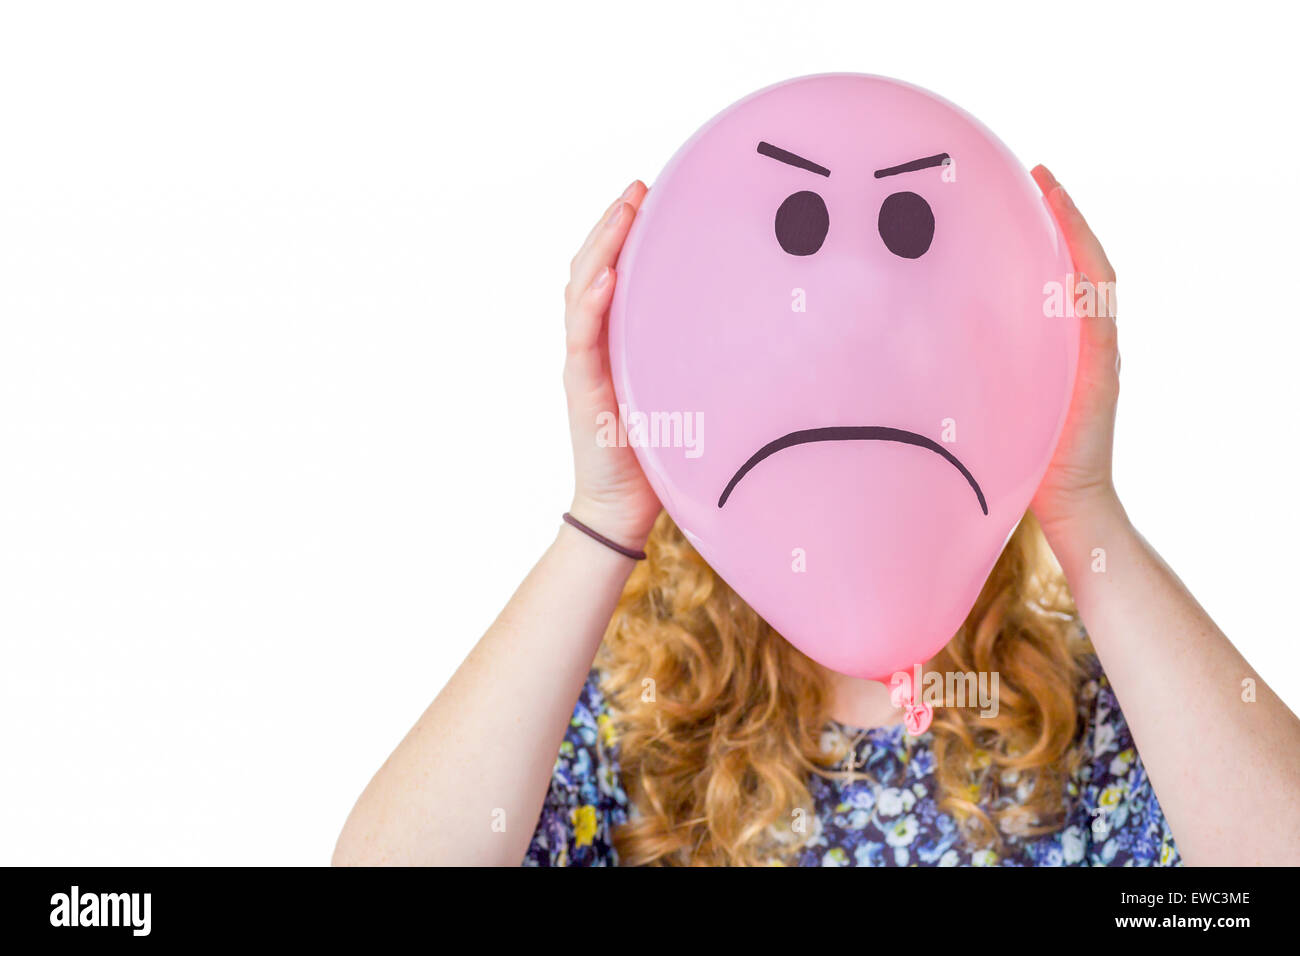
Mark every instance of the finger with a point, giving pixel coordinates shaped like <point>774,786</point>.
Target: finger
<point>604,249</point>
<point>584,365</point>
<point>1097,380</point>
<point>1099,347</point>
<point>632,195</point>
<point>1043,176</point>
<point>1099,360</point>
<point>634,192</point>
<point>1085,248</point>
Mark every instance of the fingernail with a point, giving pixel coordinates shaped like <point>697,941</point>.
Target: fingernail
<point>601,279</point>
<point>616,215</point>
<point>630,189</point>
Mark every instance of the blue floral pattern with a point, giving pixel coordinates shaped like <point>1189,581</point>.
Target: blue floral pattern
<point>886,814</point>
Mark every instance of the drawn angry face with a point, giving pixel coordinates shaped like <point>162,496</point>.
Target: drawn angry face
<point>844,277</point>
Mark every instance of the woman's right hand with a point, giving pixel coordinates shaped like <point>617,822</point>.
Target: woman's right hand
<point>501,717</point>
<point>611,494</point>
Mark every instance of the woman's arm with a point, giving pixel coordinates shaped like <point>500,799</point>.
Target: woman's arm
<point>481,756</point>
<point>1226,771</point>
<point>467,783</point>
<point>1225,768</point>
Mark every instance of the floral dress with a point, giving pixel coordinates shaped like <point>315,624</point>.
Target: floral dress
<point>891,819</point>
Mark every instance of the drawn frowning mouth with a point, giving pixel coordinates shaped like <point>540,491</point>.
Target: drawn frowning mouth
<point>852,433</point>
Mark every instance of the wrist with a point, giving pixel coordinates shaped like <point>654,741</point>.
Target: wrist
<point>1086,524</point>
<point>611,522</point>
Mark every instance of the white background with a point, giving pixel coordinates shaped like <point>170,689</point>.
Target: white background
<point>281,424</point>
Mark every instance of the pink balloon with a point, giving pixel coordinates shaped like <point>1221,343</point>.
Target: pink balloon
<point>838,343</point>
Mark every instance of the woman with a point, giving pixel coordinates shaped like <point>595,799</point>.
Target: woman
<point>702,737</point>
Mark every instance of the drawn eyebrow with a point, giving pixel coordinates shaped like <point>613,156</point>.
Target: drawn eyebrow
<point>790,159</point>
<point>938,159</point>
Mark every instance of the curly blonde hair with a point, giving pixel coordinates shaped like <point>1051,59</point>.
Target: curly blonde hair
<point>718,763</point>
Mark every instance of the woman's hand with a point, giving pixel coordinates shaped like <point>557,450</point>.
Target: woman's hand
<point>499,721</point>
<point>1180,681</point>
<point>611,494</point>
<point>1078,486</point>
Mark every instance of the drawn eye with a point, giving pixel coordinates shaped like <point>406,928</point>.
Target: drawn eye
<point>906,224</point>
<point>802,223</point>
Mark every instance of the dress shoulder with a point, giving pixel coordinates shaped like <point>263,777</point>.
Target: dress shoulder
<point>585,801</point>
<point>1117,817</point>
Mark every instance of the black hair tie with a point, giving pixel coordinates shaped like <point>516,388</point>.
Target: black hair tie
<point>597,536</point>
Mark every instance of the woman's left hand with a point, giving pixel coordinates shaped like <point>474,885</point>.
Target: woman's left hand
<point>1078,480</point>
